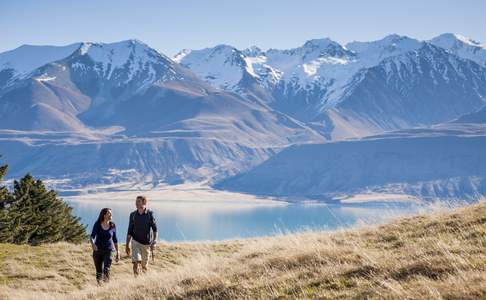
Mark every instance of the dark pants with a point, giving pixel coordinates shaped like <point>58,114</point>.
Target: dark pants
<point>102,260</point>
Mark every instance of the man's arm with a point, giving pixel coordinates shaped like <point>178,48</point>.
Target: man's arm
<point>129,234</point>
<point>153,225</point>
<point>154,239</point>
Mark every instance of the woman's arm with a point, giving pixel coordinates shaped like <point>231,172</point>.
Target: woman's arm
<point>115,243</point>
<point>117,255</point>
<point>94,233</point>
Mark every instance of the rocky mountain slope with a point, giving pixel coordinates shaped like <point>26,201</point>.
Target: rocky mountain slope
<point>97,112</point>
<point>124,107</point>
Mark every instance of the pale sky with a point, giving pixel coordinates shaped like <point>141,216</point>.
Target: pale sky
<point>170,26</point>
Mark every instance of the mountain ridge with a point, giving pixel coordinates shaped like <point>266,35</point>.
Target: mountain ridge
<point>125,108</point>
<point>307,81</point>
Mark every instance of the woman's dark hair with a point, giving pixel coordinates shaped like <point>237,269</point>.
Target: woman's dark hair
<point>103,212</point>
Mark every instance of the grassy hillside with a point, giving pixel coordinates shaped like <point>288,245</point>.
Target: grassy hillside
<point>432,257</point>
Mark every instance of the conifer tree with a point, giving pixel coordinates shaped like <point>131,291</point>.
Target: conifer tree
<point>39,216</point>
<point>32,214</point>
<point>5,222</point>
<point>3,189</point>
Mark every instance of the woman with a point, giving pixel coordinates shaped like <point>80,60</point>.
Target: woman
<point>104,243</point>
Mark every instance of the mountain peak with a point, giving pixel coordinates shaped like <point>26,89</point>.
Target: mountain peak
<point>394,37</point>
<point>321,43</point>
<point>111,56</point>
<point>26,58</point>
<point>461,46</point>
<point>223,52</point>
<point>449,39</point>
<point>131,46</point>
<point>324,47</point>
<point>222,65</point>
<point>223,49</point>
<point>253,51</point>
<point>392,44</point>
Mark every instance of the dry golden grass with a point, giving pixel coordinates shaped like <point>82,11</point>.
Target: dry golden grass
<point>439,256</point>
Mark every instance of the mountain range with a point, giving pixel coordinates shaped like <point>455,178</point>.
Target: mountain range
<point>251,120</point>
<point>355,89</point>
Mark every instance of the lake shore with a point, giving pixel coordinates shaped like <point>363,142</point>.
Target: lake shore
<point>203,193</point>
<point>188,192</point>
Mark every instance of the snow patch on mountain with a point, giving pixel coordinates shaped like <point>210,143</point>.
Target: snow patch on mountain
<point>462,46</point>
<point>131,54</point>
<point>321,64</point>
<point>221,66</point>
<point>44,78</point>
<point>371,53</point>
<point>27,58</point>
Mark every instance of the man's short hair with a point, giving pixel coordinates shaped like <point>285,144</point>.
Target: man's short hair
<point>142,198</point>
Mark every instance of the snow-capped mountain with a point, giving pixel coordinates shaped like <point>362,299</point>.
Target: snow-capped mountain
<point>20,62</point>
<point>124,106</point>
<point>320,63</point>
<point>231,69</point>
<point>222,66</point>
<point>102,112</point>
<point>462,46</point>
<point>124,61</point>
<point>419,88</point>
<point>315,82</point>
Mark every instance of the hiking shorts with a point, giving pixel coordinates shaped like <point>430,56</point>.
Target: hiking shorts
<point>140,253</point>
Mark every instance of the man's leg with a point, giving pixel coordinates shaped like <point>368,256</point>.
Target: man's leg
<point>135,268</point>
<point>136,257</point>
<point>145,256</point>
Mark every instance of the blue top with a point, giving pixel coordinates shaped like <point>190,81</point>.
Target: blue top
<point>104,239</point>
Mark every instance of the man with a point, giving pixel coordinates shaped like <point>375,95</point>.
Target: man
<point>139,234</point>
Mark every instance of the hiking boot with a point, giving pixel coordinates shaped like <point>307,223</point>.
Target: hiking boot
<point>106,277</point>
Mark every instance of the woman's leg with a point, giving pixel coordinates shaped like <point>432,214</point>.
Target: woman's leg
<point>98,261</point>
<point>107,260</point>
